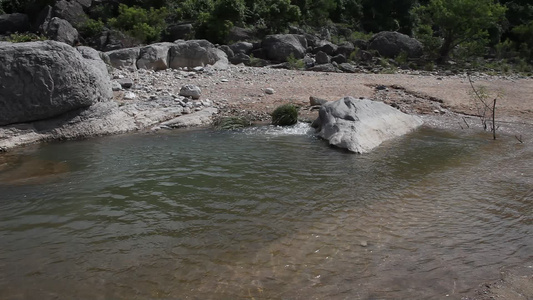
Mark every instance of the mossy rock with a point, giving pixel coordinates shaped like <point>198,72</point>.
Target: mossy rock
<point>285,115</point>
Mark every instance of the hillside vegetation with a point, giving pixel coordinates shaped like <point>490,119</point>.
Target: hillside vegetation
<point>462,30</point>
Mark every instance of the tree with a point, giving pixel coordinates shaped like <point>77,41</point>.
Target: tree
<point>458,22</point>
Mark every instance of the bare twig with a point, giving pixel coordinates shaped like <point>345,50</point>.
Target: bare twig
<point>519,138</point>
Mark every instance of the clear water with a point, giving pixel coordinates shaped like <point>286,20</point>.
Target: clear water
<point>262,214</point>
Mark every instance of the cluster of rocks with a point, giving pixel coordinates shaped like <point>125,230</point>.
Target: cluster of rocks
<point>276,50</point>
<point>55,22</point>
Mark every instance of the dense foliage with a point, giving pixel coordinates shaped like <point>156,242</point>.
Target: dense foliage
<point>455,29</point>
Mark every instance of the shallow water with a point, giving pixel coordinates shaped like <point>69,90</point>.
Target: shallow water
<point>263,213</point>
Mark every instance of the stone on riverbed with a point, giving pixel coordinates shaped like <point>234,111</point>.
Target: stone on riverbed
<point>360,125</point>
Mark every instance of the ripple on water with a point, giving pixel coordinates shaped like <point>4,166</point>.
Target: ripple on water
<point>267,212</point>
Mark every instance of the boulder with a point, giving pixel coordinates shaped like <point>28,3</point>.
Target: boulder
<point>154,57</point>
<point>322,58</point>
<point>242,47</point>
<point>324,68</point>
<point>12,23</point>
<point>240,58</point>
<point>96,58</point>
<point>124,58</point>
<point>72,11</point>
<point>360,125</point>
<point>227,50</point>
<point>327,47</point>
<point>41,22</point>
<point>40,80</point>
<point>347,68</point>
<point>60,30</point>
<point>345,49</point>
<point>279,47</point>
<point>196,53</point>
<point>390,44</point>
<point>339,58</point>
<point>191,90</point>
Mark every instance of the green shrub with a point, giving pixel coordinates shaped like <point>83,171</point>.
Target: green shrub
<point>401,58</point>
<point>284,115</point>
<point>145,25</point>
<point>25,37</point>
<point>294,63</point>
<point>91,28</point>
<point>358,35</point>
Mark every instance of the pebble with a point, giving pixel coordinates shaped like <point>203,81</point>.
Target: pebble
<point>129,96</point>
<point>269,91</point>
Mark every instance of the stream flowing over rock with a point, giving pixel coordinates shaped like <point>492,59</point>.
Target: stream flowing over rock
<point>360,125</point>
<point>40,80</point>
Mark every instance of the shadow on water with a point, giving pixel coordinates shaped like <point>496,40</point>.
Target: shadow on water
<point>266,213</point>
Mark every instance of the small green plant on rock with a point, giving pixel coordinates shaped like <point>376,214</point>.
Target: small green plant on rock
<point>285,115</point>
<point>25,37</point>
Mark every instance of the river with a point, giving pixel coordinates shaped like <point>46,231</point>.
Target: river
<point>263,213</point>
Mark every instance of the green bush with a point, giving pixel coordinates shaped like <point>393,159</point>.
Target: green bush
<point>284,115</point>
<point>91,28</point>
<point>294,63</point>
<point>145,25</point>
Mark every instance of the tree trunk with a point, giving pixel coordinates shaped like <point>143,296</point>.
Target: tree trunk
<point>444,51</point>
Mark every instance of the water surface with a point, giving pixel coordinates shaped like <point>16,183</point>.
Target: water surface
<point>263,214</point>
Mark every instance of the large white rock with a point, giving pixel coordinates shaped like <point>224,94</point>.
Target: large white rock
<point>360,125</point>
<point>40,80</point>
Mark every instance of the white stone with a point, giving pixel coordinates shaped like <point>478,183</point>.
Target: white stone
<point>129,96</point>
<point>360,125</point>
<point>190,90</point>
<point>269,91</point>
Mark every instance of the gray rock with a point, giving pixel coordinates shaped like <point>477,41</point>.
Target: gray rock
<point>361,44</point>
<point>72,11</point>
<point>322,58</point>
<point>96,58</point>
<point>242,47</point>
<point>327,47</point>
<point>124,58</point>
<point>115,86</point>
<point>227,50</point>
<point>339,58</point>
<point>41,22</point>
<point>40,80</point>
<point>390,44</point>
<point>190,90</point>
<point>360,125</point>
<point>279,47</point>
<point>240,58</point>
<point>125,82</point>
<point>269,91</point>
<point>312,40</point>
<point>102,118</point>
<point>12,23</point>
<point>196,53</point>
<point>62,31</point>
<point>129,95</point>
<point>199,118</point>
<point>314,101</point>
<point>347,68</point>
<point>154,57</point>
<point>324,68</point>
<point>345,49</point>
